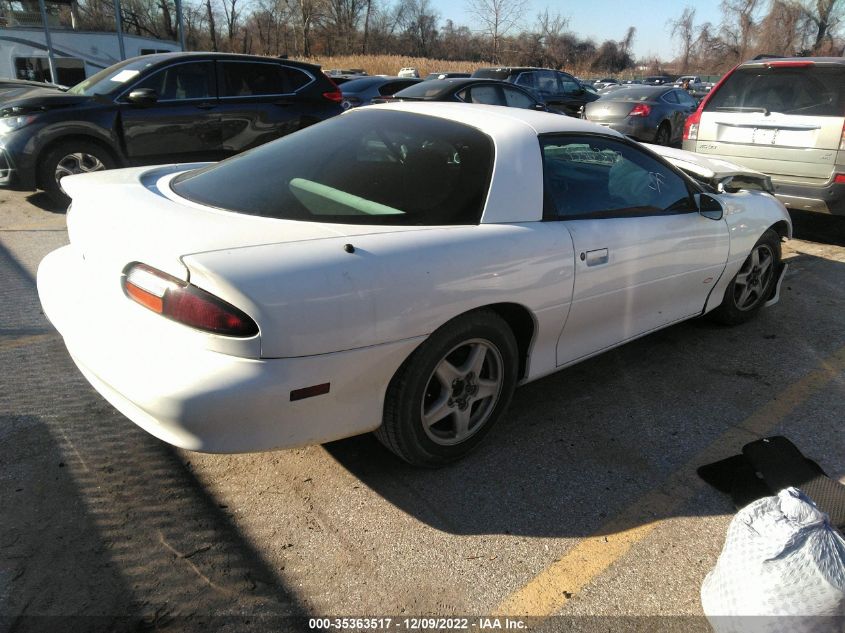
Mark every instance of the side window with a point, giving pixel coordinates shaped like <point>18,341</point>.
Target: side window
<point>546,81</point>
<point>594,177</point>
<point>293,78</point>
<point>671,96</point>
<point>193,80</point>
<point>485,94</point>
<point>517,99</point>
<point>247,79</point>
<point>686,99</point>
<point>568,84</point>
<point>526,79</point>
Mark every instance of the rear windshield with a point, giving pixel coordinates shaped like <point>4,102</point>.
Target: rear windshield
<point>370,167</point>
<point>814,91</point>
<point>425,90</point>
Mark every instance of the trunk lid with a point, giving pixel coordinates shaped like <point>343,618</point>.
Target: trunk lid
<point>608,111</point>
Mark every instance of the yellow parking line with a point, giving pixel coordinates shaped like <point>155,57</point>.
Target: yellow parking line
<point>548,592</point>
<point>7,343</point>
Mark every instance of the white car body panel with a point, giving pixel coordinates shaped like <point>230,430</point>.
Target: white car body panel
<point>328,315</point>
<point>659,271</point>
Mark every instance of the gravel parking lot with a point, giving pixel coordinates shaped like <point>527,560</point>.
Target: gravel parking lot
<point>581,508</point>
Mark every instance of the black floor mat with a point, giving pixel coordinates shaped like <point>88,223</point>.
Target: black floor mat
<point>769,465</point>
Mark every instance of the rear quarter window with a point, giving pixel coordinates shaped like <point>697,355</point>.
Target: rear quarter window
<point>376,167</point>
<point>812,91</point>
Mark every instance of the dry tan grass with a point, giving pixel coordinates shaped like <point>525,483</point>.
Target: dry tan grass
<point>390,64</point>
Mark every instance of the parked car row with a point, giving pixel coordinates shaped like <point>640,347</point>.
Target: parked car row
<point>163,108</point>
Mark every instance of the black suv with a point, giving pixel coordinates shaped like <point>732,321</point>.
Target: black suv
<point>557,89</point>
<point>164,108</point>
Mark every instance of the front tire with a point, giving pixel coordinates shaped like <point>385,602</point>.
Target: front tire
<point>69,158</point>
<point>448,394</point>
<point>753,284</point>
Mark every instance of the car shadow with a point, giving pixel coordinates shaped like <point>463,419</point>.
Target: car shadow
<point>818,227</point>
<point>614,442</point>
<point>46,203</point>
<point>103,526</point>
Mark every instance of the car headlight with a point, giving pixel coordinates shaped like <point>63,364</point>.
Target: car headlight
<point>9,123</point>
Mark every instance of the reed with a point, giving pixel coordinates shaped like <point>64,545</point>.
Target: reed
<point>390,64</point>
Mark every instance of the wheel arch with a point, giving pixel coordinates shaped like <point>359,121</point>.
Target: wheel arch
<point>69,138</point>
<point>782,228</point>
<point>523,325</point>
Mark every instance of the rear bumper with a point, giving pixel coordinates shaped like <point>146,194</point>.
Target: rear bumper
<point>204,400</point>
<point>635,127</point>
<point>823,199</point>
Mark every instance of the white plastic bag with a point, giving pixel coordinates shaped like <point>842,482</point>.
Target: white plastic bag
<point>782,569</point>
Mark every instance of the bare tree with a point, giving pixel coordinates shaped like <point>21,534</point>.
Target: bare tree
<point>683,28</point>
<point>212,27</point>
<point>231,12</point>
<point>738,25</point>
<point>823,16</point>
<point>497,17</point>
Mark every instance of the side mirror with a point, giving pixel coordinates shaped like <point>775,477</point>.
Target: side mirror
<point>709,207</point>
<point>142,96</point>
<point>541,107</point>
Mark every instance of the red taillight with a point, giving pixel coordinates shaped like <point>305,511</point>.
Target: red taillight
<point>333,95</point>
<point>839,179</point>
<point>693,120</point>
<point>641,109</point>
<point>187,304</point>
<point>691,126</point>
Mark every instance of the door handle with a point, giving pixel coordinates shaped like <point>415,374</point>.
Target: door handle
<point>206,105</point>
<point>596,257</point>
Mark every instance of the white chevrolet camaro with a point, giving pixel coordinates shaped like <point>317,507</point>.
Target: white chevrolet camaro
<point>397,269</point>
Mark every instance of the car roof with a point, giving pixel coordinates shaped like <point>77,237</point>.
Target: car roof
<point>497,120</point>
<point>158,58</point>
<point>778,61</point>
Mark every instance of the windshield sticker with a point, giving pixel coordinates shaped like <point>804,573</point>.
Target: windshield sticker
<point>124,75</point>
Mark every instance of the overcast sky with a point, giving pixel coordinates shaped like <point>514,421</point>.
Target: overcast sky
<point>608,19</point>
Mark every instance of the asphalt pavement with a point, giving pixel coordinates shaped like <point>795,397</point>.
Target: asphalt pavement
<point>581,511</point>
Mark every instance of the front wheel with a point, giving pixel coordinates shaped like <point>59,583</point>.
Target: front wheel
<point>69,158</point>
<point>753,284</point>
<point>448,394</point>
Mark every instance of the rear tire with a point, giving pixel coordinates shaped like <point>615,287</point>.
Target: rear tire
<point>448,394</point>
<point>663,135</point>
<point>68,158</point>
<point>753,284</point>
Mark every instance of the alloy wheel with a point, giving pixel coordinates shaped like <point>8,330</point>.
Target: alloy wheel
<point>77,163</point>
<point>754,277</point>
<point>462,392</point>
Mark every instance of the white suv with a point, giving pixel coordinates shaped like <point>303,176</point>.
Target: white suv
<point>784,117</point>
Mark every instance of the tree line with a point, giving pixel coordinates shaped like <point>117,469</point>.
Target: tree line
<point>499,33</point>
